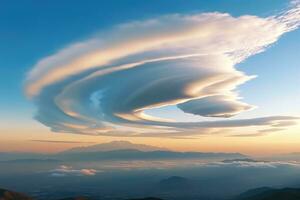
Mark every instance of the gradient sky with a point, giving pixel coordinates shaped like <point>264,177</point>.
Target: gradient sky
<point>33,30</point>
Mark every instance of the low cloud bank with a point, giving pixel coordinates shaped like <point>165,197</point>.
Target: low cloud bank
<point>65,170</point>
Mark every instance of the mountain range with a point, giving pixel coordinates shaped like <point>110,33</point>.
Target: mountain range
<point>115,145</point>
<point>117,150</point>
<point>266,193</point>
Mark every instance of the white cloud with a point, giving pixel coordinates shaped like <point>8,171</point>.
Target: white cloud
<point>104,85</point>
<point>255,164</point>
<point>64,170</point>
<point>88,172</point>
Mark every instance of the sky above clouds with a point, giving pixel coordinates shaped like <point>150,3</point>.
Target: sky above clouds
<point>176,72</point>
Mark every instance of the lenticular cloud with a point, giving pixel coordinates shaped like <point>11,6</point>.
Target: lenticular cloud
<point>104,85</point>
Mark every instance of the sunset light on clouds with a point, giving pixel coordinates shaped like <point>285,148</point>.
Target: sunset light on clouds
<point>179,78</point>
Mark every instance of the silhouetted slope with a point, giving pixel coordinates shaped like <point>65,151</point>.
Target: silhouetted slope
<point>271,194</point>
<point>75,198</point>
<point>10,195</point>
<point>253,192</point>
<point>148,198</point>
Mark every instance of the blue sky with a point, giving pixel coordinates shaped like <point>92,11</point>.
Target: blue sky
<point>32,30</point>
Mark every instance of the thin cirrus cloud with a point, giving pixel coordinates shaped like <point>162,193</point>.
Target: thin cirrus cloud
<point>102,86</point>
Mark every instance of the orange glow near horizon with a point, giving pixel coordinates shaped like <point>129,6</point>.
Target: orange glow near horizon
<point>22,140</point>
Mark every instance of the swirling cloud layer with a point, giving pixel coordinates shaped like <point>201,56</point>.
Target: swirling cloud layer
<point>104,85</point>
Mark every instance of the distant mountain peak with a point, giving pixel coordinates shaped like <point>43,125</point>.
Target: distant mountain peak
<point>115,145</point>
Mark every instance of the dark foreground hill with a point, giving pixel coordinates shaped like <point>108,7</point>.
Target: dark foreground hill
<point>270,194</point>
<point>10,195</point>
<point>264,193</point>
<point>84,198</point>
<point>148,198</point>
<point>75,198</point>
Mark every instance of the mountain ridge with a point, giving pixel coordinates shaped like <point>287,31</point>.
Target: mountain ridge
<point>121,150</point>
<point>131,154</point>
<point>266,193</point>
<point>114,145</point>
